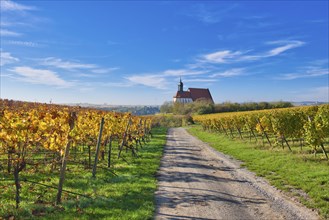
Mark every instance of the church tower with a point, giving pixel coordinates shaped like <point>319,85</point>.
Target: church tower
<point>180,85</point>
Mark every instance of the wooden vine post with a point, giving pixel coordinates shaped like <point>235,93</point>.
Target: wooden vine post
<point>98,147</point>
<point>64,160</point>
<point>124,138</point>
<point>18,167</point>
<point>285,140</point>
<point>263,130</point>
<point>223,128</point>
<point>239,130</point>
<point>109,152</point>
<point>252,132</point>
<point>145,131</point>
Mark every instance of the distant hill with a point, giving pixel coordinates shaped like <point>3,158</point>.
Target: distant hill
<point>134,109</point>
<point>306,103</point>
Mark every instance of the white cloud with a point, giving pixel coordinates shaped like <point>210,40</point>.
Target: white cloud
<point>228,56</point>
<point>319,62</point>
<point>40,76</point>
<point>106,70</point>
<point>117,84</point>
<point>182,72</point>
<point>200,80</point>
<point>15,14</point>
<point>90,70</point>
<point>5,24</point>
<point>159,80</point>
<point>7,5</point>
<point>229,73</point>
<point>221,56</point>
<point>176,60</point>
<point>86,75</point>
<point>7,58</point>
<point>307,72</point>
<point>210,15</point>
<point>287,46</point>
<point>8,33</point>
<point>23,43</point>
<point>68,65</point>
<point>154,81</point>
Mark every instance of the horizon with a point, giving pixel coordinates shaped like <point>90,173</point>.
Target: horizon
<point>133,53</point>
<point>305,102</point>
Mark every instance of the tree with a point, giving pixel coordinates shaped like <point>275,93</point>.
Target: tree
<point>166,107</point>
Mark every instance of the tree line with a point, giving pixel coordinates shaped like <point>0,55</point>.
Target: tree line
<point>201,107</point>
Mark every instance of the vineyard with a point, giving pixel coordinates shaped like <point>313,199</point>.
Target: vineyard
<point>290,127</point>
<point>43,146</point>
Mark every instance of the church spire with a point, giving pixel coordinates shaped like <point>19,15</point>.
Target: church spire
<point>180,85</point>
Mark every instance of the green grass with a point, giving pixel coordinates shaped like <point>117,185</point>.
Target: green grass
<point>298,175</point>
<point>130,195</point>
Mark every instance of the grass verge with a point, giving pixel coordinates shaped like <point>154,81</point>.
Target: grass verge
<point>298,175</point>
<point>129,195</point>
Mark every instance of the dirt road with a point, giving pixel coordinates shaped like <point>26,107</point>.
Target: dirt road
<point>196,182</point>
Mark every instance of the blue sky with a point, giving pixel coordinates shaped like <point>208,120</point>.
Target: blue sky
<point>135,52</point>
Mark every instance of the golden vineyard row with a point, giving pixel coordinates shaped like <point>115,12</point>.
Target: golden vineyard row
<point>32,126</point>
<point>303,123</point>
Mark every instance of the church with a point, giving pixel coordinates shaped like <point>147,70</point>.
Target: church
<point>192,94</point>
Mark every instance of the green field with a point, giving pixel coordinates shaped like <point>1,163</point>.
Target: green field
<point>299,175</point>
<point>127,194</point>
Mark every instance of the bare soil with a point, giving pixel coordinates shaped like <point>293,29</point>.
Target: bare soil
<point>197,182</point>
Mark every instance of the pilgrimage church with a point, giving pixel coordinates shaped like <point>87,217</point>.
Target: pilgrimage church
<point>192,94</point>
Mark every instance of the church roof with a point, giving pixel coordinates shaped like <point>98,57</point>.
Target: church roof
<point>197,93</point>
<point>183,94</point>
<point>194,94</point>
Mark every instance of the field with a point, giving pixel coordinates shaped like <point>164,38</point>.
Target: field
<point>64,162</point>
<point>77,163</point>
<point>125,190</point>
<point>294,159</point>
<point>289,127</point>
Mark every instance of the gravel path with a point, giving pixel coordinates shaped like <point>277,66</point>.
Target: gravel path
<point>197,182</point>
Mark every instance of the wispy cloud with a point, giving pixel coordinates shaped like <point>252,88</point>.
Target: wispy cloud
<point>86,75</point>
<point>8,33</point>
<point>309,72</point>
<point>182,72</point>
<point>89,70</point>
<point>106,70</point>
<point>200,80</point>
<point>154,81</point>
<point>176,60</point>
<point>23,43</point>
<point>14,15</point>
<point>229,73</point>
<point>319,62</point>
<point>118,84</point>
<point>228,56</point>
<point>40,76</point>
<point>210,15</point>
<point>11,13</point>
<point>287,45</point>
<point>7,5</point>
<point>221,56</point>
<point>110,43</point>
<point>7,58</point>
<point>319,21</point>
<point>315,68</point>
<point>320,94</point>
<point>68,65</point>
<point>5,24</point>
